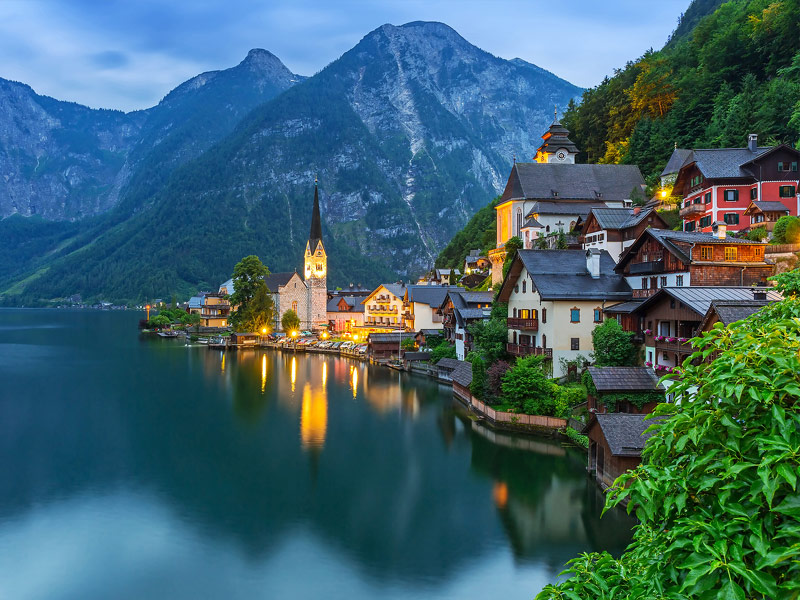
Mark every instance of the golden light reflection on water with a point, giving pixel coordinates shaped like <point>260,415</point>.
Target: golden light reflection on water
<point>223,362</point>
<point>313,418</point>
<point>324,373</point>
<point>294,372</point>
<point>500,494</point>
<point>354,380</point>
<point>263,372</point>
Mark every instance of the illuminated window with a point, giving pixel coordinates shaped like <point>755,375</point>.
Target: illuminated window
<point>705,252</point>
<point>294,306</point>
<point>730,253</point>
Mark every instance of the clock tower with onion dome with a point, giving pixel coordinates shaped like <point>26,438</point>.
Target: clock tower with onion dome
<point>556,148</point>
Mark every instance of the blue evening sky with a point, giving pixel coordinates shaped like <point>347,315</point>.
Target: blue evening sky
<point>127,54</point>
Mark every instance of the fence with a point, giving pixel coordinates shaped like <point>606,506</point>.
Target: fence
<point>515,418</point>
<point>781,248</point>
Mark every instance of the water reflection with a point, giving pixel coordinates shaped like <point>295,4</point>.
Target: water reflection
<point>245,469</point>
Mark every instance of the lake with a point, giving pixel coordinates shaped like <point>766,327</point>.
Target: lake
<point>136,467</point>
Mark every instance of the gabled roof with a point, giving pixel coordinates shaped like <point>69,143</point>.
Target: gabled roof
<point>535,181</point>
<point>385,338</point>
<point>667,238</point>
<point>548,207</point>
<point>724,163</point>
<point>766,206</point>
<point>730,311</point>
<point>432,295</point>
<point>354,303</point>
<point>624,433</point>
<point>608,379</point>
<point>699,299</point>
<point>448,363</point>
<point>532,223</point>
<point>624,307</point>
<point>276,280</point>
<point>676,161</point>
<point>462,374</point>
<point>620,218</point>
<point>398,289</point>
<point>563,275</point>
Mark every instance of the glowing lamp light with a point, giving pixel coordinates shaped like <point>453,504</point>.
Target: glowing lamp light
<point>663,193</point>
<point>324,335</point>
<point>264,330</point>
<point>295,333</point>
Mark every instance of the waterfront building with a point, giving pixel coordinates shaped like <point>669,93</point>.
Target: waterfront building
<point>616,441</point>
<point>308,296</point>
<point>421,306</point>
<point>345,314</point>
<point>664,258</point>
<point>459,310</point>
<point>383,308</point>
<point>556,298</point>
<point>551,195</point>
<point>719,184</point>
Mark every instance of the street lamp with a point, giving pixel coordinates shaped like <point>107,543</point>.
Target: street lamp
<point>294,334</point>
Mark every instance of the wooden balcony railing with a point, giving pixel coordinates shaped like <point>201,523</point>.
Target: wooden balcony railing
<point>520,350</point>
<point>528,324</point>
<point>693,210</point>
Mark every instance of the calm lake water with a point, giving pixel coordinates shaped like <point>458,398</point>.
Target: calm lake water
<point>135,467</point>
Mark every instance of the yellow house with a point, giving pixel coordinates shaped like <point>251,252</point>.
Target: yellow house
<point>383,308</point>
<point>555,300</point>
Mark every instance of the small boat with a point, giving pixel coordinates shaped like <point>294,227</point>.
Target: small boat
<point>168,334</point>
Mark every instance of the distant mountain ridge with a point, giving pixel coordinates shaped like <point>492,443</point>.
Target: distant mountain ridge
<point>409,133</point>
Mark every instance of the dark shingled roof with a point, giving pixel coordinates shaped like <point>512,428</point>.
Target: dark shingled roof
<point>562,274</point>
<point>624,307</point>
<point>276,280</point>
<point>584,182</point>
<point>724,162</point>
<point>608,379</point>
<point>676,161</point>
<point>448,363</point>
<point>531,222</point>
<point>580,209</point>
<point>410,356</point>
<point>432,295</point>
<point>699,298</point>
<point>770,206</point>
<point>352,301</point>
<point>730,311</point>
<point>385,338</point>
<point>619,218</point>
<point>430,332</point>
<point>462,375</point>
<point>625,433</point>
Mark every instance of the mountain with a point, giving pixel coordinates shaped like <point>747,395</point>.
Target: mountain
<point>735,72</point>
<point>409,132</point>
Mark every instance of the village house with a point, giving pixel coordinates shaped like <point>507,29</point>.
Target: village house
<point>214,309</point>
<point>421,306</point>
<point>667,320</point>
<point>345,314</point>
<point>619,386</point>
<point>383,308</point>
<point>765,213</point>
<point>384,346</point>
<point>615,229</point>
<point>474,263</point>
<point>553,193</point>
<point>720,184</point>
<point>556,298</point>
<point>616,441</point>
<point>731,311</point>
<point>663,258</point>
<point>459,310</point>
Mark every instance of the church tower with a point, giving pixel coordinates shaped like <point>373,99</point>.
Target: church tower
<point>316,271</point>
<point>556,146</point>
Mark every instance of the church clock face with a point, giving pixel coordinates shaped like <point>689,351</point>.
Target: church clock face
<point>561,155</point>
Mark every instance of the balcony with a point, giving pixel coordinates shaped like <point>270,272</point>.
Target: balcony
<point>524,324</point>
<point>652,266</point>
<point>520,350</point>
<point>693,210</point>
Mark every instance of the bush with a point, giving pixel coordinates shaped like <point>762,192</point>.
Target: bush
<point>577,438</point>
<point>478,386</point>
<point>613,346</point>
<point>444,350</point>
<point>525,386</point>
<point>757,234</point>
<point>780,234</point>
<point>565,399</point>
<point>494,379</point>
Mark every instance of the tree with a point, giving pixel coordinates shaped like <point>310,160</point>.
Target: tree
<point>526,386</point>
<point>494,379</point>
<point>513,244</point>
<point>613,346</point>
<point>248,281</point>
<point>290,321</point>
<point>779,233</point>
<point>716,494</point>
<point>478,386</point>
<point>408,344</point>
<point>159,322</point>
<point>490,338</point>
<point>561,240</point>
<point>260,314</point>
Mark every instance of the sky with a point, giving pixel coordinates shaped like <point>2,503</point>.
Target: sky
<point>128,54</point>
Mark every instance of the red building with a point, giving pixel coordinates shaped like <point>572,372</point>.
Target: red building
<point>720,184</point>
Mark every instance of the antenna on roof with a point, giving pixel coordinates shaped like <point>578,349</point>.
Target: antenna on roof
<point>515,158</point>
<point>555,113</point>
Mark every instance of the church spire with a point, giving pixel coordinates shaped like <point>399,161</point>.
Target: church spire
<point>316,223</point>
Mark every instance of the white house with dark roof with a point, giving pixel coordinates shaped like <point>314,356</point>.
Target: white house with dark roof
<point>421,306</point>
<point>556,298</point>
<point>459,310</point>
<point>615,229</point>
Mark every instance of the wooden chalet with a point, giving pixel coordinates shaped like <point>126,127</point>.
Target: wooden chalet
<point>765,213</point>
<point>621,381</point>
<point>615,229</point>
<point>616,441</point>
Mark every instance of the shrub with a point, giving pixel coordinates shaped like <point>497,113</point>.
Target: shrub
<point>525,384</point>
<point>494,379</point>
<point>576,437</point>
<point>780,232</point>
<point>478,385</point>
<point>613,347</point>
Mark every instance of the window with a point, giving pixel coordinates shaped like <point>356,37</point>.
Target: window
<point>294,306</point>
<point>523,286</point>
<point>516,289</point>
<point>786,191</point>
<point>654,283</point>
<point>598,315</point>
<point>705,252</point>
<point>644,283</point>
<point>575,343</point>
<point>731,195</point>
<point>732,218</point>
<point>687,203</point>
<point>705,221</point>
<point>679,280</point>
<point>544,315</point>
<point>663,281</point>
<point>696,180</point>
<point>707,198</point>
<point>753,193</point>
<point>757,252</point>
<point>794,166</point>
<point>575,315</point>
<point>730,253</point>
<point>698,200</point>
<point>689,226</point>
<point>544,341</point>
<point>783,166</point>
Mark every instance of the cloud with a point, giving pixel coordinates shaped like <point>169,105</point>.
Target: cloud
<point>128,55</point>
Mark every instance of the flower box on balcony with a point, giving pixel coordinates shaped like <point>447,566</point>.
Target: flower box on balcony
<point>659,338</point>
<point>648,332</point>
<point>672,339</point>
<point>648,364</point>
<point>683,340</point>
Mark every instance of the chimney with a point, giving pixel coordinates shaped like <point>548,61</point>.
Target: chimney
<point>752,142</point>
<point>759,293</point>
<point>593,262</point>
<point>637,210</point>
<point>719,230</point>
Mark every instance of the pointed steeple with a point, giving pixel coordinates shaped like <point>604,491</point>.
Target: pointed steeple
<point>316,223</point>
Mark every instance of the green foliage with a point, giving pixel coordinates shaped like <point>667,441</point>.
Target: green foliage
<point>788,282</point>
<point>573,367</point>
<point>716,494</point>
<point>526,387</point>
<point>408,344</point>
<point>159,321</point>
<point>781,229</point>
<point>190,319</point>
<point>290,321</point>
<point>490,338</point>
<point>494,380</point>
<point>588,383</point>
<point>672,218</point>
<point>638,399</point>
<point>453,278</point>
<point>723,75</point>
<point>757,234</point>
<point>613,346</point>
<point>513,244</point>
<point>478,385</point>
<point>250,314</point>
<point>577,438</point>
<point>443,350</point>
<point>258,315</point>
<point>561,241</point>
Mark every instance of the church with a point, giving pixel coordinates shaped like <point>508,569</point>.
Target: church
<point>552,193</point>
<point>308,295</point>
